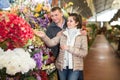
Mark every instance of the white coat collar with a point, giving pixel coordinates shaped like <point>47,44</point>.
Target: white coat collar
<point>75,29</point>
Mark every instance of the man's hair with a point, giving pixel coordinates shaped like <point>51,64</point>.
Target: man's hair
<point>56,8</point>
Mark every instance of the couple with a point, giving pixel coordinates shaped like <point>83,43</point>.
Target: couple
<point>73,45</point>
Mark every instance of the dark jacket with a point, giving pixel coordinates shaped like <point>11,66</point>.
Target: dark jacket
<point>51,32</point>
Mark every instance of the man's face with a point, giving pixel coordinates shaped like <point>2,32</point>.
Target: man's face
<point>56,16</point>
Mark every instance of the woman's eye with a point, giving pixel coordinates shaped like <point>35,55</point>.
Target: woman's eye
<point>69,21</point>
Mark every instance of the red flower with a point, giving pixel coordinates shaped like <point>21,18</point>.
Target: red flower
<point>15,30</point>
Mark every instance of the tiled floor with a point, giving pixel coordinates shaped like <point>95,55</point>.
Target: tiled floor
<point>102,63</point>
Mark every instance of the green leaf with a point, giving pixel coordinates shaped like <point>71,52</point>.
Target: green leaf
<point>29,78</point>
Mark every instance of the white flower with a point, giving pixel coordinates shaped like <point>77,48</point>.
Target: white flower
<point>13,66</point>
<point>17,60</point>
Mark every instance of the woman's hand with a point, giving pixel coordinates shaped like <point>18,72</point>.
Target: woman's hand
<point>64,47</point>
<point>39,33</point>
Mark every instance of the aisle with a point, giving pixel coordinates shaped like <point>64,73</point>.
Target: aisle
<point>101,62</point>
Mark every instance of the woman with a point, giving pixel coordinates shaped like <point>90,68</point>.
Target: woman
<point>73,49</point>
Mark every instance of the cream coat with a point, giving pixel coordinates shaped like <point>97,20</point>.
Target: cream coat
<point>79,51</point>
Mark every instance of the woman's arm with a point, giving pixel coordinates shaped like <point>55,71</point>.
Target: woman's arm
<point>49,42</point>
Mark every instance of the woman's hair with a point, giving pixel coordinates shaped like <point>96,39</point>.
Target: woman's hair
<point>77,18</point>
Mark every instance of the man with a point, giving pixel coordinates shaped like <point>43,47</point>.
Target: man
<point>58,23</point>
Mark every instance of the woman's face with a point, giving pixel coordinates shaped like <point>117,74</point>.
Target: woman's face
<point>71,22</point>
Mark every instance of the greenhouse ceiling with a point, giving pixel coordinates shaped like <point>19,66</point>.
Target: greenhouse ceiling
<point>92,8</point>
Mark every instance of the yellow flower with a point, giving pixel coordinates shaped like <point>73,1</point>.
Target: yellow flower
<point>37,41</point>
<point>38,8</point>
<point>36,14</point>
<point>70,3</point>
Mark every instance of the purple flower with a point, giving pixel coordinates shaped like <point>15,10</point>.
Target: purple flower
<point>42,22</point>
<point>38,58</point>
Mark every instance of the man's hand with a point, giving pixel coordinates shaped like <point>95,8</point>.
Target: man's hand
<point>83,32</point>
